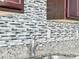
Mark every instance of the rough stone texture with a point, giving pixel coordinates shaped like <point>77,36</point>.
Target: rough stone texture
<point>60,47</point>
<point>20,29</point>
<point>16,52</point>
<point>46,37</point>
<point>64,38</point>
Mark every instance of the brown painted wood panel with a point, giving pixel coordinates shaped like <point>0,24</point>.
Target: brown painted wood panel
<point>55,9</point>
<point>72,8</point>
<point>12,5</point>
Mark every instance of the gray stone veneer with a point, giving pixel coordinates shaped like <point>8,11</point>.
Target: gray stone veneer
<point>64,39</point>
<point>20,28</point>
<point>18,31</point>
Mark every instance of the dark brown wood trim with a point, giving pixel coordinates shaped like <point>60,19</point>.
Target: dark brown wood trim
<point>12,7</point>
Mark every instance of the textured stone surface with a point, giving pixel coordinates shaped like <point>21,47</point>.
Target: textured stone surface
<point>16,52</point>
<point>64,38</point>
<point>18,30</point>
<point>60,47</point>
